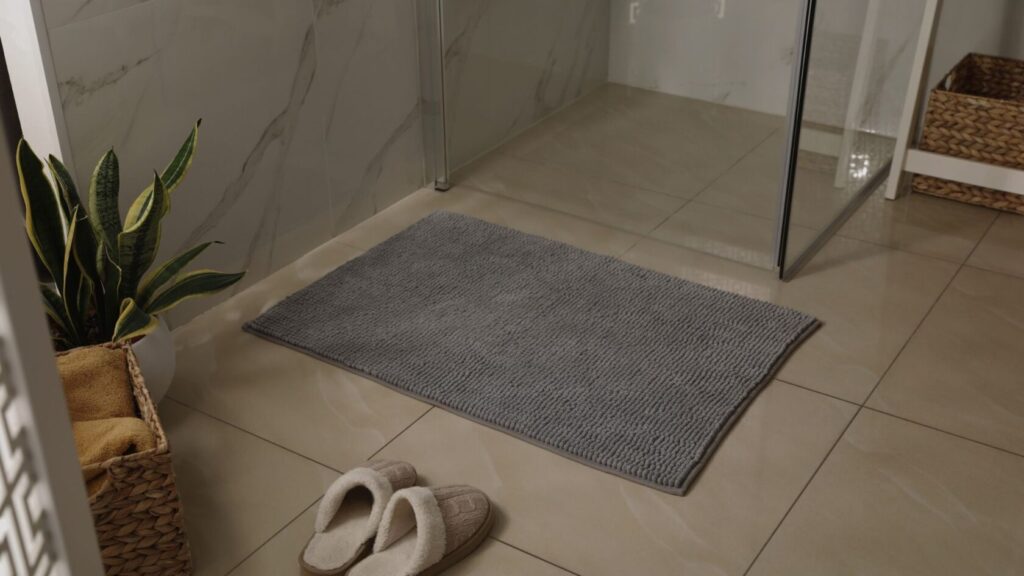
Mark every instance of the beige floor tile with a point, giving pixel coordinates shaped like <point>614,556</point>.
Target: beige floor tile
<point>1002,249</point>
<point>236,489</point>
<point>503,211</point>
<point>610,203</point>
<point>287,397</point>
<point>595,523</point>
<point>963,371</point>
<point>753,185</point>
<point>921,224</point>
<point>279,557</point>
<point>897,499</point>
<point>668,144</point>
<point>733,235</point>
<point>869,298</point>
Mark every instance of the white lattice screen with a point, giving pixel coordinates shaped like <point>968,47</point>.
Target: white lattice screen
<point>25,545</point>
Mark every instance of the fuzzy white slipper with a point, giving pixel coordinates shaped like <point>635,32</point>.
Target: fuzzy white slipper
<point>350,514</point>
<point>425,531</point>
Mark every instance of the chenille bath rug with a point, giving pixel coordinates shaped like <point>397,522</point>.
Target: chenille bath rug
<point>627,370</point>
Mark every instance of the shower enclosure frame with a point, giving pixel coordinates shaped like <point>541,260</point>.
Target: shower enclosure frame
<point>430,23</point>
<point>794,119</point>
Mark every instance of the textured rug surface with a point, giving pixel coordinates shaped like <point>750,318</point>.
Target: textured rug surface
<point>630,371</point>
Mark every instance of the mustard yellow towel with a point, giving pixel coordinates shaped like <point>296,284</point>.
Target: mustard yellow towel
<point>100,440</point>
<point>96,384</point>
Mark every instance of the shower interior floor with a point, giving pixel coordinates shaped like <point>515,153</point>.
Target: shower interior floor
<point>695,174</point>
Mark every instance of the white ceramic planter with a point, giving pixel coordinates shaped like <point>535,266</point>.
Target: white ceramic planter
<point>157,361</point>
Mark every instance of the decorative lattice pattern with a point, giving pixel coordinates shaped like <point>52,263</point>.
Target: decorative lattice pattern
<point>25,544</point>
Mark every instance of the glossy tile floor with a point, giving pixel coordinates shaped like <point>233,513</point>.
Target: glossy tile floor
<point>891,443</point>
<point>695,174</point>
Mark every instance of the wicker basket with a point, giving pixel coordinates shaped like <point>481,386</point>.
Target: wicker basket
<point>137,514</point>
<point>977,113</point>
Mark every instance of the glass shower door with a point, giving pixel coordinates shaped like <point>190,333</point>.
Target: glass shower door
<point>665,119</point>
<point>849,87</point>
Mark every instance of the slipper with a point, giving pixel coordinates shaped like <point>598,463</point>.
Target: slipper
<point>350,515</point>
<point>427,530</point>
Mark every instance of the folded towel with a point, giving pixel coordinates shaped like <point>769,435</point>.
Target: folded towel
<point>96,383</point>
<point>100,440</point>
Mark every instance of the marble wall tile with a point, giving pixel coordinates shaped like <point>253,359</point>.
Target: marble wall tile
<point>372,124</point>
<point>510,64</point>
<point>310,116</point>
<point>62,12</point>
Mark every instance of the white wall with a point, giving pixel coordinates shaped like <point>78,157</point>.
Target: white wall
<point>994,27</point>
<point>742,55</point>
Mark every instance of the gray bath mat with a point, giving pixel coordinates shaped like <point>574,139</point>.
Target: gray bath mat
<point>621,368</point>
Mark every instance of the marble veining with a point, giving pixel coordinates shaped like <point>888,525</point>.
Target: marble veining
<point>510,64</point>
<point>311,114</point>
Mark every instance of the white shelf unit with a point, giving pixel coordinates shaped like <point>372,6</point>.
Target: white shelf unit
<point>909,160</point>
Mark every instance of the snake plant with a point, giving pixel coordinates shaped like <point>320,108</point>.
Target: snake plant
<point>99,286</point>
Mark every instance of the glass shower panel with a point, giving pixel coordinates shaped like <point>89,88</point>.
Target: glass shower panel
<point>661,118</point>
<point>857,74</point>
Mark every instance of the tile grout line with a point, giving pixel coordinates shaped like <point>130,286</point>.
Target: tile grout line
<point>614,227</point>
<point>318,498</point>
<point>801,493</point>
<point>927,314</point>
<point>647,236</point>
<point>825,394</point>
<point>946,432</point>
<point>715,180</point>
<point>1010,275</point>
<point>303,456</point>
<point>585,174</point>
<point>575,171</point>
<point>532,555</point>
<point>863,405</point>
<point>404,430</point>
<point>272,536</point>
<point>252,434</point>
<point>905,419</point>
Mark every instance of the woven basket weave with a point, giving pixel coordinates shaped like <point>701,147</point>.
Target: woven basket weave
<point>977,113</point>
<point>137,514</point>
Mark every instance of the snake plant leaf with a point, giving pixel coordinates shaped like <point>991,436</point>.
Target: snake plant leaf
<point>137,244</point>
<point>191,285</point>
<point>55,310</point>
<point>176,170</point>
<point>71,283</point>
<point>85,248</point>
<point>104,215</point>
<point>168,271</point>
<point>133,322</point>
<point>65,183</point>
<point>83,240</point>
<point>85,302</point>
<point>172,175</point>
<point>110,272</point>
<point>44,219</point>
